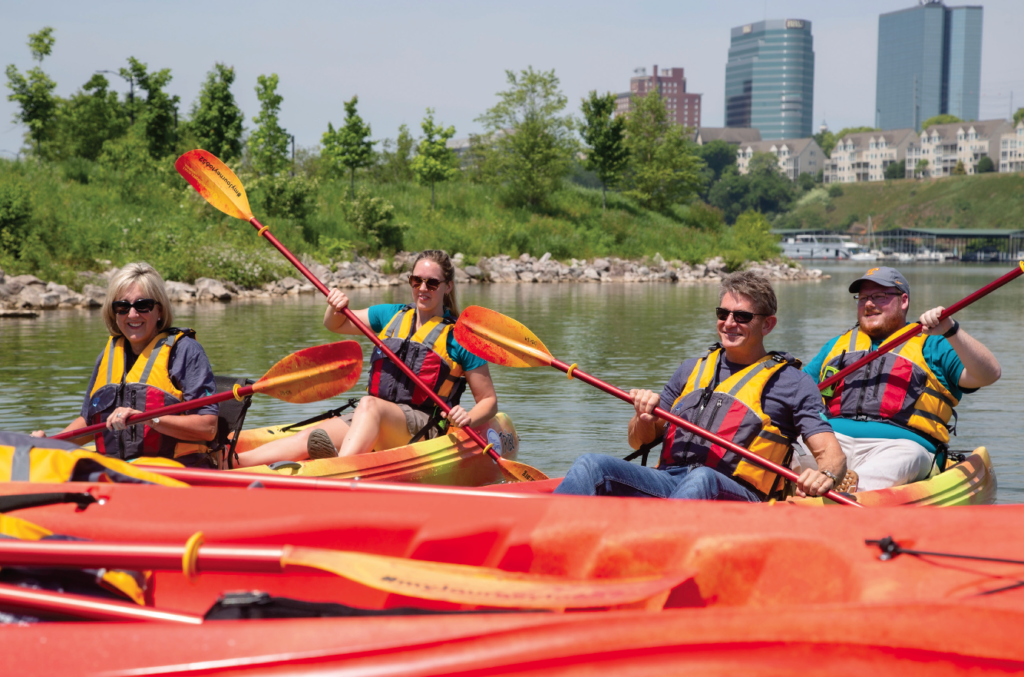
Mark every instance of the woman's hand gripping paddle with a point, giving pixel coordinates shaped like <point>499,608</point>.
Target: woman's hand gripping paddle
<point>455,583</point>
<point>222,189</point>
<point>310,375</point>
<point>502,340</point>
<point>906,336</point>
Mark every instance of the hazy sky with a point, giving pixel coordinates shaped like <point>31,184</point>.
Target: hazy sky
<point>402,56</point>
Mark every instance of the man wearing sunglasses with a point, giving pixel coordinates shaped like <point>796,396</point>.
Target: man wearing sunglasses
<point>737,390</point>
<point>893,416</point>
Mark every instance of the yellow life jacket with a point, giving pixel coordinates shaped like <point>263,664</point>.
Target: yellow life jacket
<point>38,459</point>
<point>898,387</point>
<point>120,582</point>
<point>731,409</point>
<point>146,386</point>
<point>425,352</point>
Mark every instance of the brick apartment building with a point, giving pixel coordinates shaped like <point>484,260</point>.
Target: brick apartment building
<point>683,107</point>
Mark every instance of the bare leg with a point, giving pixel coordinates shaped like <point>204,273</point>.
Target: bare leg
<point>376,424</point>
<point>292,448</point>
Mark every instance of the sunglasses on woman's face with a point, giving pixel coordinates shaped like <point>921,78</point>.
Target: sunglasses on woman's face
<point>415,281</point>
<point>740,316</point>
<point>140,306</point>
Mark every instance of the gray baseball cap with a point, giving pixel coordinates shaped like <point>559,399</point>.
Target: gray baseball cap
<point>884,276</point>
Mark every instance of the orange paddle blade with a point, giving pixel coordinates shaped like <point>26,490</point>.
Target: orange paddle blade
<point>314,373</point>
<point>499,339</point>
<point>215,182</point>
<point>520,472</point>
<point>482,586</point>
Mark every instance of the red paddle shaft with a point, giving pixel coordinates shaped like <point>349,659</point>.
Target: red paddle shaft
<point>62,604</point>
<point>92,555</point>
<point>474,435</point>
<point>711,437</point>
<point>162,411</point>
<point>903,338</point>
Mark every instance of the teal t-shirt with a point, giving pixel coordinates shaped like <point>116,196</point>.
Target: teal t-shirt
<point>940,358</point>
<point>381,314</point>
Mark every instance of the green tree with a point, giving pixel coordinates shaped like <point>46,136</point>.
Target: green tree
<point>88,119</point>
<point>805,181</point>
<point>216,121</point>
<point>268,143</point>
<point>896,170</point>
<point>604,135</point>
<point>943,119</point>
<point>394,161</point>
<point>434,161</point>
<point>374,219</point>
<point>922,167</point>
<point>984,165</point>
<point>762,189</point>
<point>826,140</point>
<point>158,114</point>
<point>664,169</point>
<point>33,92</point>
<point>763,163</point>
<point>1018,116</point>
<point>717,155</point>
<point>530,145</point>
<point>349,147</point>
<point>959,169</point>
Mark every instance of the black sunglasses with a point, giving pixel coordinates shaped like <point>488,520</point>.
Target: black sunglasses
<point>741,316</point>
<point>432,284</point>
<point>140,305</point>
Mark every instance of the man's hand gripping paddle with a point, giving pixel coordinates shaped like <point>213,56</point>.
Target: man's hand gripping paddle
<point>222,189</point>
<point>502,340</point>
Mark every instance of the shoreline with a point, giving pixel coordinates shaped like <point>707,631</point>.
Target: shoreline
<point>26,295</point>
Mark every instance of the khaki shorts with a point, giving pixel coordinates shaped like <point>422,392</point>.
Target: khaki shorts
<point>415,419</point>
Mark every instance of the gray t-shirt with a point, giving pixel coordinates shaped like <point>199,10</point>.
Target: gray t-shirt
<point>189,369</point>
<point>790,398</point>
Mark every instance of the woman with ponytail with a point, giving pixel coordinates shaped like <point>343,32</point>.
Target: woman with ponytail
<point>395,411</point>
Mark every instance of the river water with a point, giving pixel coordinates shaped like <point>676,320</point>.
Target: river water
<point>631,335</point>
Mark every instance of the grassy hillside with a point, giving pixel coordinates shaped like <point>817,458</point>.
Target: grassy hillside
<point>982,201</point>
<point>54,222</point>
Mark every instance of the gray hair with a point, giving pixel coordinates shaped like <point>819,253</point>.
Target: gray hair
<point>150,284</point>
<point>753,285</point>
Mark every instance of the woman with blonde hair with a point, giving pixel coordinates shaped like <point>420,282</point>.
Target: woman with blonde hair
<point>395,410</point>
<point>147,363</point>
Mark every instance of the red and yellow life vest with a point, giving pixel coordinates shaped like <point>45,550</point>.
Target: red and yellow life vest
<point>898,387</point>
<point>731,409</point>
<point>147,385</point>
<point>425,352</point>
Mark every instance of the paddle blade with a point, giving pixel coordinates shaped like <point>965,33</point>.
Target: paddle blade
<point>215,182</point>
<point>482,586</point>
<point>499,339</point>
<point>520,472</point>
<point>314,373</point>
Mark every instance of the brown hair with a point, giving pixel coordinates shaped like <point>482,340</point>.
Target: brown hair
<point>440,257</point>
<point>150,284</point>
<point>752,285</point>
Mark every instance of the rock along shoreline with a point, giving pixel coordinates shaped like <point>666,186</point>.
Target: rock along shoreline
<point>26,295</point>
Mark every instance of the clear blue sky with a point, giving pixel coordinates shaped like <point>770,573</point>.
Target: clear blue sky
<point>402,56</point>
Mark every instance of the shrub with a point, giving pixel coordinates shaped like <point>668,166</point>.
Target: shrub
<point>374,219</point>
<point>835,190</point>
<point>15,215</point>
<point>280,196</point>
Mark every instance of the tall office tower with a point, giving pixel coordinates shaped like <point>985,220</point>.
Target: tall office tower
<point>769,78</point>
<point>929,63</point>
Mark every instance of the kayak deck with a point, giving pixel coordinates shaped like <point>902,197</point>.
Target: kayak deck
<point>451,459</point>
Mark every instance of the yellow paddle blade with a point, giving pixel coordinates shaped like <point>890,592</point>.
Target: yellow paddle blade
<point>313,374</point>
<point>481,586</point>
<point>215,182</point>
<point>499,339</point>
<point>520,472</point>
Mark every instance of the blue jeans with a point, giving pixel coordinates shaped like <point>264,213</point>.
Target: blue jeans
<point>599,475</point>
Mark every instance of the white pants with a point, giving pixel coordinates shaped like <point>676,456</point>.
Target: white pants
<point>880,463</point>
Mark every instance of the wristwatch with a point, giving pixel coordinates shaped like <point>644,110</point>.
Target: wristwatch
<point>953,331</point>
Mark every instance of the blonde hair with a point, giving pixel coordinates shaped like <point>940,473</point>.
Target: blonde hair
<point>440,257</point>
<point>150,284</point>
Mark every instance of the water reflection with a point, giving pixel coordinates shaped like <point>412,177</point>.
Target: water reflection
<point>631,335</point>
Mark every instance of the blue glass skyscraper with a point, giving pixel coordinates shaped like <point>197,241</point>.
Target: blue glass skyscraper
<point>769,78</point>
<point>929,63</point>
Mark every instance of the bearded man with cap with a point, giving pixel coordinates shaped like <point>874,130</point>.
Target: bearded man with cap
<point>893,416</point>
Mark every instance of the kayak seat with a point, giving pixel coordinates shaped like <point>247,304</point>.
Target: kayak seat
<point>230,418</point>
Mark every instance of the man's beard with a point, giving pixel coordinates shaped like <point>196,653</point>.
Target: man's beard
<point>888,328</point>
